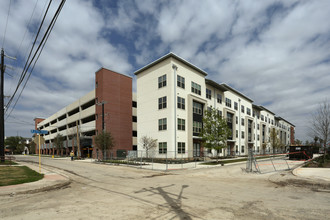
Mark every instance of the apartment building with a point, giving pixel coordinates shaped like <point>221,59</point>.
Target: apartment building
<point>111,106</point>
<point>173,95</point>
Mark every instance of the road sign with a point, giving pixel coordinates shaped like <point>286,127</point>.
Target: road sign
<point>39,131</point>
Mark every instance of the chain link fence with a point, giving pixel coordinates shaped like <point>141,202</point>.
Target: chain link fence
<point>270,162</point>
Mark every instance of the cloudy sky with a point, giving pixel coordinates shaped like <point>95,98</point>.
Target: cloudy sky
<point>275,52</point>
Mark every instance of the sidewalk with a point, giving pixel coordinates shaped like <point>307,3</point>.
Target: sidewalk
<point>50,181</point>
<point>317,179</point>
<point>313,173</point>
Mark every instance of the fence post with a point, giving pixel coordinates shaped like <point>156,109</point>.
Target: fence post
<point>141,160</point>
<point>166,160</point>
<point>272,162</point>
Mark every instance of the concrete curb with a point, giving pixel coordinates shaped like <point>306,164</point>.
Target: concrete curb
<point>51,181</point>
<point>285,178</point>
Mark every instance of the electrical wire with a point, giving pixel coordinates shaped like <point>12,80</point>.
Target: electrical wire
<point>27,61</point>
<point>49,30</point>
<point>4,34</point>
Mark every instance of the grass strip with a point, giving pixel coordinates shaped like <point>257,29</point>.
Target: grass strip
<point>13,175</point>
<point>7,163</point>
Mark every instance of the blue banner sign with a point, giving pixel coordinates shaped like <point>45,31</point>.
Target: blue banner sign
<point>39,131</point>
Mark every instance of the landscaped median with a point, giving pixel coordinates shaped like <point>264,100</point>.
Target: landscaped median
<point>11,174</point>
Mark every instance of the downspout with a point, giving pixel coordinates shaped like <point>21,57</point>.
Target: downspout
<point>239,126</point>
<point>175,97</point>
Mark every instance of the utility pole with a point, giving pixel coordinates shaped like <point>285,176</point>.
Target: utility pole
<point>78,140</point>
<point>2,110</point>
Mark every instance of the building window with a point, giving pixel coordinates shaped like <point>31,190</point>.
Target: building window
<point>208,94</point>
<point>242,122</point>
<point>181,124</point>
<point>258,126</point>
<point>134,104</point>
<point>236,120</point>
<point>162,147</point>
<point>248,111</point>
<point>219,98</point>
<point>197,127</point>
<point>242,149</point>
<point>235,105</point>
<point>220,113</point>
<point>262,117</point>
<point>181,103</point>
<point>228,102</point>
<point>258,137</point>
<point>162,81</point>
<point>162,124</point>
<point>134,118</point>
<point>242,134</point>
<point>197,108</point>
<point>134,133</point>
<point>195,88</point>
<point>236,133</point>
<point>242,108</point>
<point>96,85</point>
<point>162,102</point>
<point>266,119</point>
<point>181,147</point>
<point>180,81</point>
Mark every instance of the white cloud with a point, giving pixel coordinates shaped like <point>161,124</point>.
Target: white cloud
<point>275,52</point>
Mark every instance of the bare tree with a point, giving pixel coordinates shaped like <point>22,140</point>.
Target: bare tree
<point>148,144</point>
<point>321,124</point>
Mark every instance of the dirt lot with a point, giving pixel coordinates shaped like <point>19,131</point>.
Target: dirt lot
<point>117,192</point>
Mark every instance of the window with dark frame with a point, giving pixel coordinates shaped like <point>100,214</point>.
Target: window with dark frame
<point>181,124</point>
<point>208,94</point>
<point>195,88</point>
<point>162,81</point>
<point>162,147</point>
<point>180,81</point>
<point>162,124</point>
<point>181,147</point>
<point>228,102</point>
<point>219,98</point>
<point>162,102</point>
<point>181,103</point>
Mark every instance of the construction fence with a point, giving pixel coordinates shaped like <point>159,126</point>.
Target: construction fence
<point>274,162</point>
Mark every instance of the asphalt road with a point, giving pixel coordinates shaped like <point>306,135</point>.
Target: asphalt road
<point>117,192</point>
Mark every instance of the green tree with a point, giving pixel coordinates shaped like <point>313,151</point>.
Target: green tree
<point>148,144</point>
<point>15,143</point>
<point>274,140</point>
<point>104,142</point>
<point>215,132</point>
<point>58,142</point>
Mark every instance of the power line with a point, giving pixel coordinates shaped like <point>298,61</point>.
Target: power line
<point>45,38</point>
<point>4,34</point>
<point>35,6</point>
<point>27,61</point>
